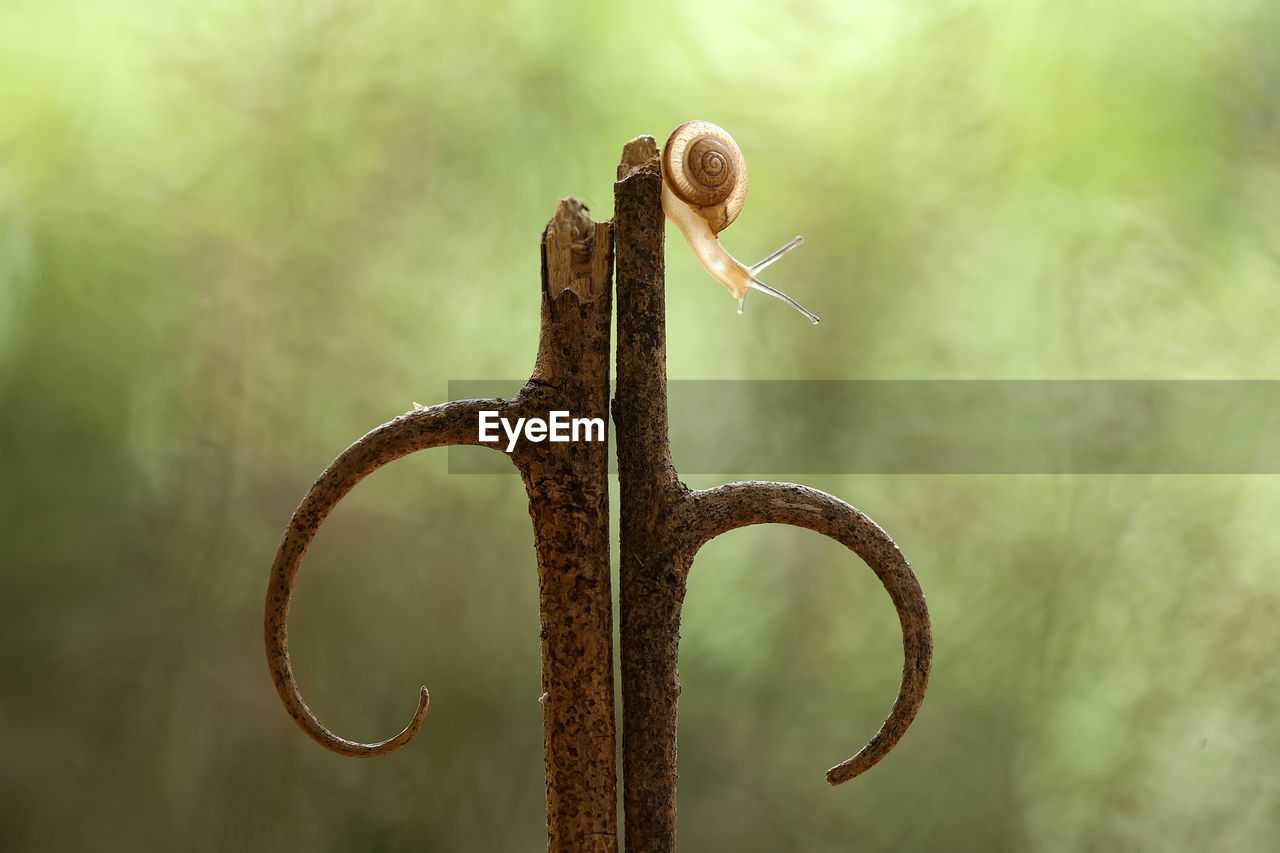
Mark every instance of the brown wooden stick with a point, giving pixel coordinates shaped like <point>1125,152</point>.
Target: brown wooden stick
<point>664,523</point>
<point>651,577</point>
<point>567,483</point>
<point>568,486</point>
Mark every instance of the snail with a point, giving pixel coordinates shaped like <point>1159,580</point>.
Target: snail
<point>704,183</point>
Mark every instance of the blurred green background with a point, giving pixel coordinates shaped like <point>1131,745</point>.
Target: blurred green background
<point>236,236</point>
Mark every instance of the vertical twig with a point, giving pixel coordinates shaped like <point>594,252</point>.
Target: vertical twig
<point>568,486</point>
<point>651,579</point>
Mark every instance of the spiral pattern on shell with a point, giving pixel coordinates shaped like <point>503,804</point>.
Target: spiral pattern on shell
<point>704,168</point>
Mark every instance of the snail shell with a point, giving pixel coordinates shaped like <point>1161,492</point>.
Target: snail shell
<point>704,168</point>
<point>704,185</point>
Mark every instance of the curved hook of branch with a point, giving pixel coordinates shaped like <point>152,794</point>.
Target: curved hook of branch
<point>437,426</point>
<point>734,505</point>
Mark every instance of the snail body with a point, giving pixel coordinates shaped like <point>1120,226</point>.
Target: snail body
<point>704,185</point>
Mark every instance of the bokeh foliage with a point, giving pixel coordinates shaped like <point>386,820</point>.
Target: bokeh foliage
<point>235,236</point>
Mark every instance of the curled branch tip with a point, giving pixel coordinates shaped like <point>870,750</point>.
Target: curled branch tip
<point>430,427</point>
<point>739,504</point>
<point>342,746</point>
<point>308,722</point>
